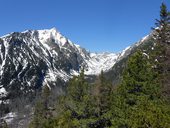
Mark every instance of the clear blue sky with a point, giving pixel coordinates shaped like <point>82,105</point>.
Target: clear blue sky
<point>97,25</point>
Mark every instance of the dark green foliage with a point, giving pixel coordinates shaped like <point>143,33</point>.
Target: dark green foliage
<point>161,52</point>
<point>116,72</point>
<point>101,93</point>
<point>138,75</point>
<point>42,115</point>
<point>85,105</point>
<point>162,32</point>
<point>137,102</point>
<point>76,104</point>
<point>105,90</point>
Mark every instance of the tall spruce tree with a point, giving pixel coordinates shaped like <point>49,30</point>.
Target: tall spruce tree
<point>162,34</point>
<point>137,102</point>
<point>161,37</point>
<point>161,52</point>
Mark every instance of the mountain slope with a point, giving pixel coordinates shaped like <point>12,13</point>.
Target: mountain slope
<point>146,44</point>
<point>31,59</point>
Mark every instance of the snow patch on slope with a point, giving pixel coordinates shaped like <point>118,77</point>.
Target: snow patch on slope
<point>124,51</point>
<point>100,61</point>
<point>9,117</point>
<point>3,92</point>
<point>142,40</point>
<point>51,44</point>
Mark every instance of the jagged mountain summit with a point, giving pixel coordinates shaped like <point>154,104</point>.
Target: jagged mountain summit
<point>32,58</point>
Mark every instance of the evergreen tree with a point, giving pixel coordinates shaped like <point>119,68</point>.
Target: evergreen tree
<point>102,93</point>
<point>162,37</point>
<point>101,102</point>
<point>161,52</point>
<point>162,32</point>
<point>42,115</point>
<point>76,109</point>
<point>138,102</point>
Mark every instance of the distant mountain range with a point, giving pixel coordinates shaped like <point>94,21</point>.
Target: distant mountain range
<point>33,58</point>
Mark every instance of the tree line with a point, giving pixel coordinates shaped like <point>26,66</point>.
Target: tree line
<point>141,100</point>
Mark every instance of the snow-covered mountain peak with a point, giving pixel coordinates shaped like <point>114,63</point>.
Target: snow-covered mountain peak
<point>52,34</point>
<point>37,57</point>
<point>47,55</point>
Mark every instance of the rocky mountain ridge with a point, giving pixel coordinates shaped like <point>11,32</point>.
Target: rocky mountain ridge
<point>33,58</point>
